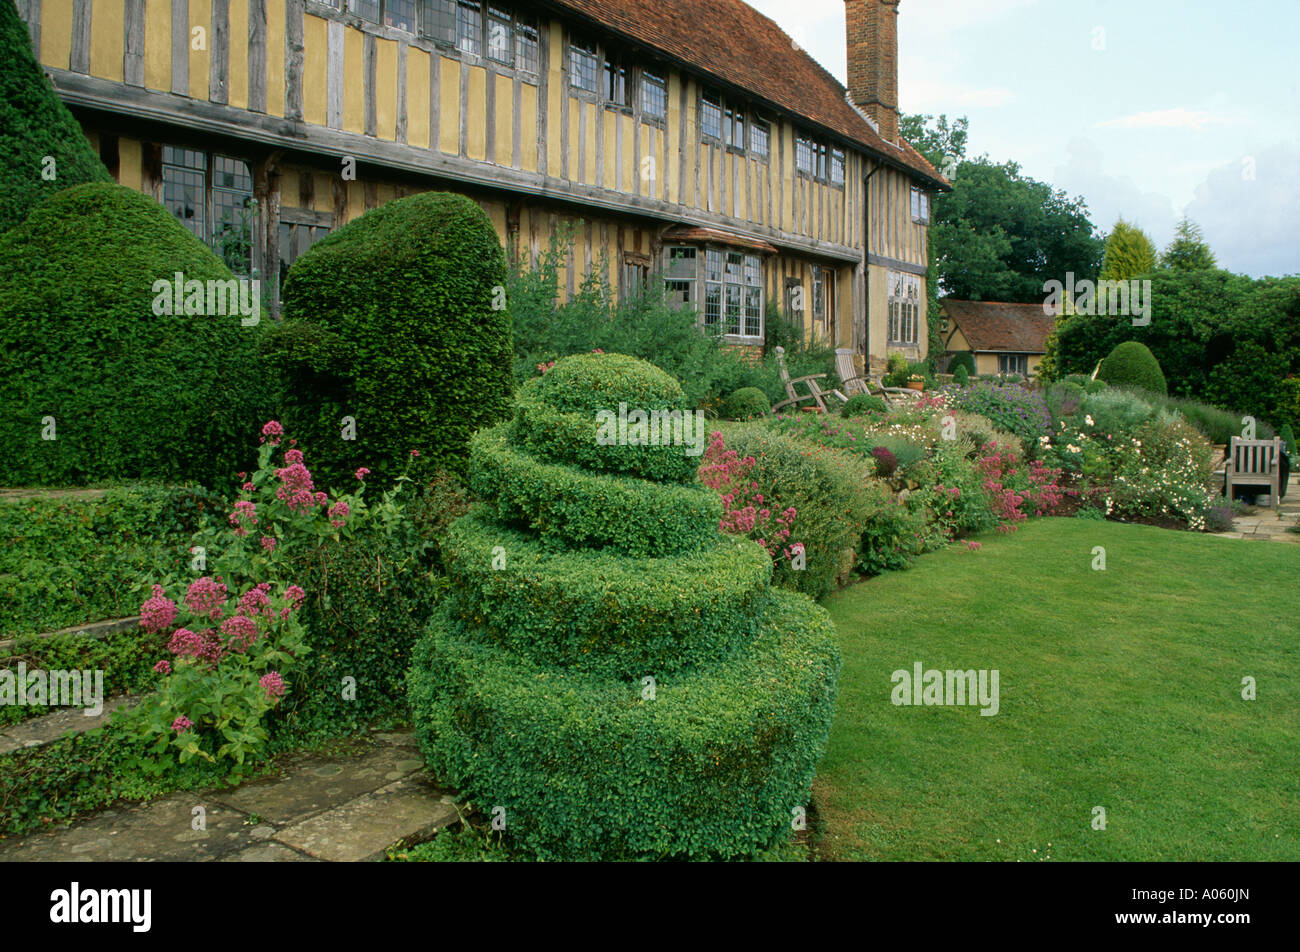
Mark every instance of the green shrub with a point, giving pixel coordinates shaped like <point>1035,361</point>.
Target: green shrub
<point>863,404</point>
<point>1132,364</point>
<point>396,321</point>
<point>1010,406</point>
<point>35,124</point>
<point>618,706</point>
<point>962,359</point>
<point>132,394</point>
<point>589,769</point>
<point>1095,386</point>
<point>1288,437</point>
<point>961,376</point>
<point>746,404</point>
<point>825,488</point>
<point>893,534</point>
<point>1117,412</point>
<point>71,560</point>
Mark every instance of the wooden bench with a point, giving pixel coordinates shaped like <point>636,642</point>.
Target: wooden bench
<point>795,398</point>
<point>1254,463</point>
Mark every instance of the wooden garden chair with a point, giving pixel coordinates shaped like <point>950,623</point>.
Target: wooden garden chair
<point>1254,463</point>
<point>815,393</point>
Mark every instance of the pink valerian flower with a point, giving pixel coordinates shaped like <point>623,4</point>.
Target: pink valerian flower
<point>256,601</point>
<point>248,487</point>
<point>362,473</point>
<point>240,631</point>
<point>269,543</point>
<point>273,684</point>
<point>295,476</point>
<point>185,643</point>
<point>294,595</point>
<point>163,667</point>
<point>245,515</point>
<point>293,457</point>
<point>415,454</point>
<point>158,612</point>
<point>321,499</point>
<point>182,724</point>
<point>272,431</point>
<point>338,514</point>
<point>206,596</point>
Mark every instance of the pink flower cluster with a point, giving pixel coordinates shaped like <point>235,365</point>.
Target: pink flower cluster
<point>338,514</point>
<point>240,632</point>
<point>256,601</point>
<point>272,431</point>
<point>273,684</point>
<point>296,486</point>
<point>206,596</point>
<point>158,612</point>
<point>245,515</point>
<point>205,646</point>
<point>182,724</point>
<point>744,509</point>
<point>362,473</point>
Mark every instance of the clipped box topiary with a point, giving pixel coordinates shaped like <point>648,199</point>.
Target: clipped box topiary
<point>747,403</point>
<point>664,704</point>
<point>1131,364</point>
<point>396,337</point>
<point>95,383</point>
<point>42,147</point>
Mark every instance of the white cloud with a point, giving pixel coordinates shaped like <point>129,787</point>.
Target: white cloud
<point>1178,118</point>
<point>1253,224</point>
<point>928,95</point>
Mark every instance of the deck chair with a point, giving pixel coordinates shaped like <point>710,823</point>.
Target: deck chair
<point>815,393</point>
<point>1254,463</point>
<point>871,384</point>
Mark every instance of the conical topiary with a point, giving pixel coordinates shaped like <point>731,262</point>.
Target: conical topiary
<point>610,675</point>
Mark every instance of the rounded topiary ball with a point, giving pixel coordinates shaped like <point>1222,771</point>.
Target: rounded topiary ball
<point>961,376</point>
<point>1131,364</point>
<point>397,322</point>
<point>95,382</point>
<point>746,404</point>
<point>963,358</point>
<point>863,404</point>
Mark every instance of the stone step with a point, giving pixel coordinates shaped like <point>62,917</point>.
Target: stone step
<point>47,728</point>
<point>94,629</point>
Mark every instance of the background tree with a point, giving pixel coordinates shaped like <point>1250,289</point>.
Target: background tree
<point>999,234</point>
<point>1129,253</point>
<point>1188,251</point>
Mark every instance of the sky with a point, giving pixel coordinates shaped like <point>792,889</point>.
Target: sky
<point>1148,109</point>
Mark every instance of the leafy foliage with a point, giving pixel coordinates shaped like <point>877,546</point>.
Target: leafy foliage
<point>746,404</point>
<point>398,321</point>
<point>132,394</point>
<point>34,125</point>
<point>1188,251</point>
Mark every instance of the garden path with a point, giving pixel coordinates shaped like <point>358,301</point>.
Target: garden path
<point>340,807</point>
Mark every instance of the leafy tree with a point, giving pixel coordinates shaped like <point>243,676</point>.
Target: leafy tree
<point>942,143</point>
<point>1129,253</point>
<point>1189,250</point>
<point>42,148</point>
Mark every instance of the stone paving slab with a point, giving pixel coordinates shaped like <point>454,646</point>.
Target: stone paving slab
<point>312,784</point>
<point>336,807</point>
<point>39,731</point>
<point>157,831</point>
<point>362,829</point>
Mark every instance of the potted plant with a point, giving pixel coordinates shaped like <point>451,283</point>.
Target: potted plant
<point>915,382</point>
<point>897,375</point>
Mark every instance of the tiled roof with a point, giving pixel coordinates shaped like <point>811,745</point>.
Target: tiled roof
<point>733,42</point>
<point>992,326</point>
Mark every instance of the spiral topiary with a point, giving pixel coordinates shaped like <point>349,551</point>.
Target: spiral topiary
<point>609,670</point>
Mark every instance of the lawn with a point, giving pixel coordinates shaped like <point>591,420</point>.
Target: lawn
<point>1119,688</point>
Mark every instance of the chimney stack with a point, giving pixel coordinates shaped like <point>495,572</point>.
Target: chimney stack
<point>871,30</point>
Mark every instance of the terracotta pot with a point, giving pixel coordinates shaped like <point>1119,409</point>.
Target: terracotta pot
<point>916,385</point>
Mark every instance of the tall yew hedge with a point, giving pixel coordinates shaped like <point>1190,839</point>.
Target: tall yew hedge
<point>395,337</point>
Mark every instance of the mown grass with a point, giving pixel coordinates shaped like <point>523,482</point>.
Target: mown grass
<point>1119,688</point>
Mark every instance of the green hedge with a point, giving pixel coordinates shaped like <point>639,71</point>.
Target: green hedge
<point>70,560</point>
<point>568,506</point>
<point>586,769</point>
<point>605,613</point>
<point>35,124</point>
<point>572,437</point>
<point>863,404</point>
<point>133,394</point>
<point>962,358</point>
<point>396,320</point>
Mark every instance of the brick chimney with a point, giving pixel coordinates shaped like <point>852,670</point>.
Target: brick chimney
<point>871,30</point>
